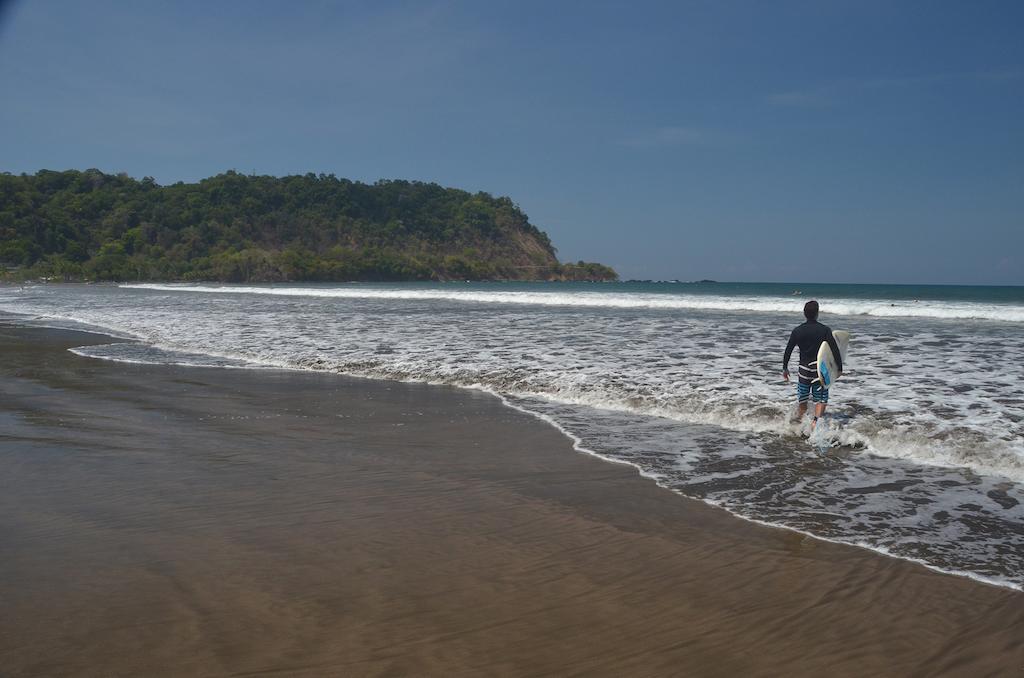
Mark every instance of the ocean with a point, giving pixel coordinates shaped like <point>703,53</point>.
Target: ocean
<point>921,455</point>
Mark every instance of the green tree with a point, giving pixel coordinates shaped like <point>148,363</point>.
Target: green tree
<point>257,228</point>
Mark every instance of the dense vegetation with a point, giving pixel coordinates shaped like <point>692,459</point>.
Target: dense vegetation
<point>234,228</point>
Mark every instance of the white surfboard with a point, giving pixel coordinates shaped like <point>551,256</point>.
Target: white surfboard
<point>828,371</point>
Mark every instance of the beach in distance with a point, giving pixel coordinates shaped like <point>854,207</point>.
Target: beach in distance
<point>415,480</point>
<point>166,520</point>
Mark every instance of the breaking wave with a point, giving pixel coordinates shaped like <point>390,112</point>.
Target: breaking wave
<point>884,308</point>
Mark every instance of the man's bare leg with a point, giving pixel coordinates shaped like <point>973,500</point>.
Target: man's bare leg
<point>819,412</point>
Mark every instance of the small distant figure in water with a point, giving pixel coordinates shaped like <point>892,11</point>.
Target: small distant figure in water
<point>808,337</point>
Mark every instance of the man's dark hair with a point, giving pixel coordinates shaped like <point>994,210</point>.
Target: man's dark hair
<point>811,310</point>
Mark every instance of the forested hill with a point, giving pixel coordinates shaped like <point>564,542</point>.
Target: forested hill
<point>235,228</point>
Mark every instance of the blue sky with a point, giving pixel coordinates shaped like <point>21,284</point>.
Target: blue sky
<point>725,140</point>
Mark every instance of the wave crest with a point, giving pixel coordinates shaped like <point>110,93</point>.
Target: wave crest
<point>612,300</point>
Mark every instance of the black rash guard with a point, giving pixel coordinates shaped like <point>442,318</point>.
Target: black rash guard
<point>809,337</point>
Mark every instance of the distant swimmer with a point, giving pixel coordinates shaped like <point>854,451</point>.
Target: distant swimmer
<point>808,337</point>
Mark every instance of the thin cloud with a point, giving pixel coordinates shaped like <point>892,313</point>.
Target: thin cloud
<point>936,78</point>
<point>827,95</point>
<point>671,136</point>
<point>801,99</point>
<point>1000,76</point>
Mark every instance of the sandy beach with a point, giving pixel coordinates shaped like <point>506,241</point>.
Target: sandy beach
<point>171,521</point>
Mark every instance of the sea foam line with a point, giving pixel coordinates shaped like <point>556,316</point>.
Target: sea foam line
<point>1003,460</point>
<point>614,300</point>
<point>577,444</point>
<point>1006,463</point>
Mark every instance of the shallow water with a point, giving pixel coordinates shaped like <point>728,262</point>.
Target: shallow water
<point>922,456</point>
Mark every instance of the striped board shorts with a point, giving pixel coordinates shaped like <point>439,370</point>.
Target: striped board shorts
<point>815,392</point>
<point>808,389</point>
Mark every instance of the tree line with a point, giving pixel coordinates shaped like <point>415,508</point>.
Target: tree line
<point>88,225</point>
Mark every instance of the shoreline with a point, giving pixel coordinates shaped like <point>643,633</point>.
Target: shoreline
<point>490,544</point>
<point>577,445</point>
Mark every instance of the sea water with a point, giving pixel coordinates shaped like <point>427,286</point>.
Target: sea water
<point>921,455</point>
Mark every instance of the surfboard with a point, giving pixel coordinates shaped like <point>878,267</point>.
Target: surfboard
<point>828,372</point>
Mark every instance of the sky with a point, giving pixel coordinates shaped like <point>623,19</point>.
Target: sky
<point>794,141</point>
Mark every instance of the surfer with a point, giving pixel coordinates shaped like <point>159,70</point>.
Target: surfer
<point>808,337</point>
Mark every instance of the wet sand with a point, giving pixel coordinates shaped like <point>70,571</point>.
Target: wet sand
<point>162,521</point>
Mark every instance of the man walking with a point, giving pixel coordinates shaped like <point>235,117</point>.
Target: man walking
<point>808,337</point>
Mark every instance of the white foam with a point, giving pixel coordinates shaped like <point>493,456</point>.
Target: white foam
<point>912,392</point>
<point>667,301</point>
<point>650,363</point>
<point>579,445</point>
